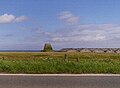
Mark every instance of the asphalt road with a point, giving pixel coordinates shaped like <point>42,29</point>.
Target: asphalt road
<point>59,82</point>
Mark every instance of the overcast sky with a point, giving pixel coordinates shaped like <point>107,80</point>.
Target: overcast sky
<point>28,24</point>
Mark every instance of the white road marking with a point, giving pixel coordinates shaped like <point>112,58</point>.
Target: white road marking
<point>72,75</point>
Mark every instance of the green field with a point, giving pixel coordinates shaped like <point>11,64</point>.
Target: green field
<point>56,62</point>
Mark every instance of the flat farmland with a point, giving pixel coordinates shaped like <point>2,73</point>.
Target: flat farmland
<point>59,62</point>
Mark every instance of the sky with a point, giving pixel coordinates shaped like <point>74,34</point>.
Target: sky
<point>29,24</point>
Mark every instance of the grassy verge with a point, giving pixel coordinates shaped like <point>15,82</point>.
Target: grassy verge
<point>56,63</point>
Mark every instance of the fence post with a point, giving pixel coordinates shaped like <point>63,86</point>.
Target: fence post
<point>77,59</point>
<point>65,58</point>
<point>3,58</point>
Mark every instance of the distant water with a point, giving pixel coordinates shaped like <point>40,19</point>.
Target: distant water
<point>20,50</point>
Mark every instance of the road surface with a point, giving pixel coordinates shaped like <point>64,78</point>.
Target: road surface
<point>21,81</point>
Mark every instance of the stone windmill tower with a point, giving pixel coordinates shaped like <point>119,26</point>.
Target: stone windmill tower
<point>47,47</point>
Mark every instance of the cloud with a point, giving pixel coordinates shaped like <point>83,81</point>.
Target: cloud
<point>9,18</point>
<point>91,35</point>
<point>8,35</point>
<point>20,19</point>
<point>84,33</point>
<point>77,35</point>
<point>69,18</point>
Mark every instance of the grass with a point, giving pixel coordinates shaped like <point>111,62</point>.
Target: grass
<point>55,62</point>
